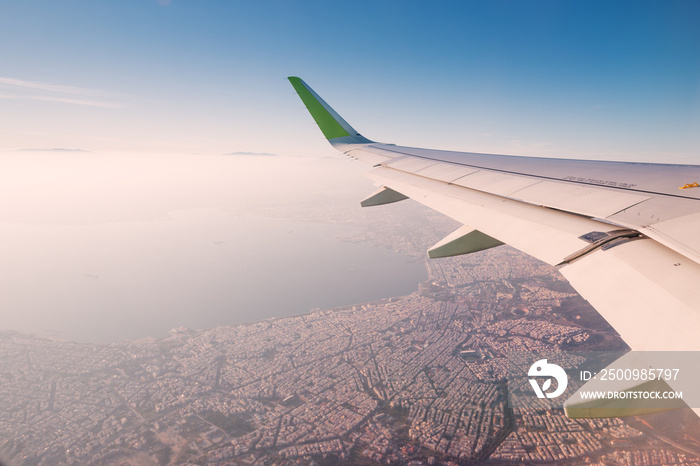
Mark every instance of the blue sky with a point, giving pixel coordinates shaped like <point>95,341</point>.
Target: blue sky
<point>595,79</point>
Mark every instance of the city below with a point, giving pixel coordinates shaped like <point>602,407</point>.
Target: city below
<point>419,379</point>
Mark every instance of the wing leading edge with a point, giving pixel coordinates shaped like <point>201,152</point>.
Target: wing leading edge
<point>624,234</point>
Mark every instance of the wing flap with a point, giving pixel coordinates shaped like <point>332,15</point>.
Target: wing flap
<point>646,291</point>
<point>680,234</point>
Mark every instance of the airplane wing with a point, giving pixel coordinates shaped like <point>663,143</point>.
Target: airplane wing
<point>625,235</point>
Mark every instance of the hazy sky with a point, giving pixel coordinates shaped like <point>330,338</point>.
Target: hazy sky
<point>153,93</point>
<point>598,79</point>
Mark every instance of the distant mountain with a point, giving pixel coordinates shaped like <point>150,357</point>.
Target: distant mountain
<point>56,149</point>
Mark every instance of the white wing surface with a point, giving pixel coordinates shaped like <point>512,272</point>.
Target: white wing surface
<point>626,235</point>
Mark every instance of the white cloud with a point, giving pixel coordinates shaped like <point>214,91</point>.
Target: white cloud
<point>32,90</point>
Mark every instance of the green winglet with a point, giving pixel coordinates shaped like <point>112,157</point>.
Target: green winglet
<point>327,121</point>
